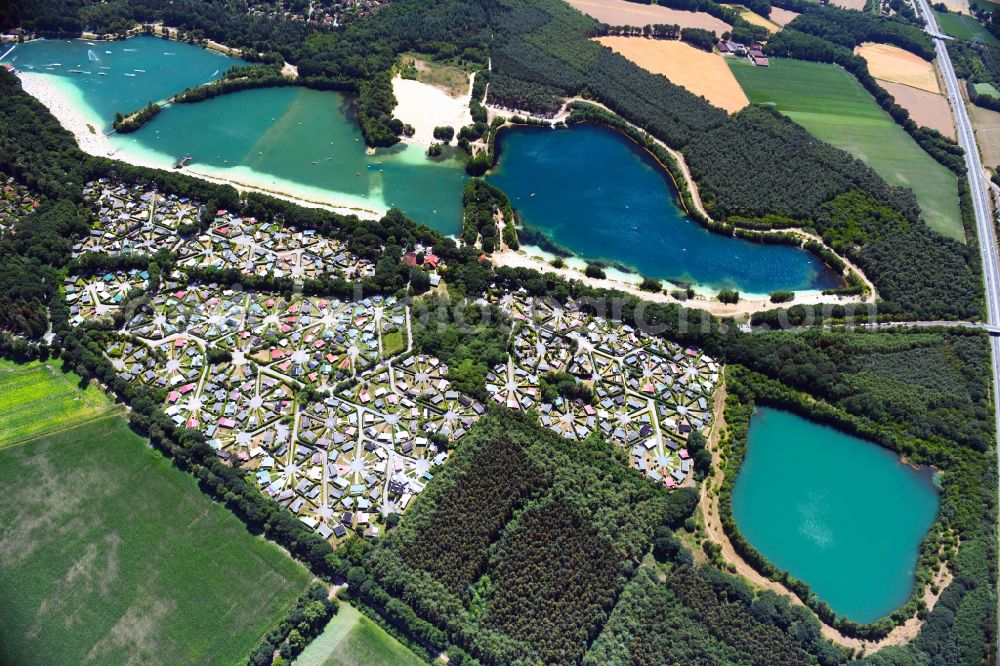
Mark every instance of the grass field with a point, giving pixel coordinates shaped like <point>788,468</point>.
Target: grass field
<point>109,555</point>
<point>38,398</point>
<point>351,639</point>
<point>453,80</point>
<point>961,26</point>
<point>832,106</point>
<point>986,89</point>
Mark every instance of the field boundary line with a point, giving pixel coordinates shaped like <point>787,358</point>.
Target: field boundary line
<point>110,411</point>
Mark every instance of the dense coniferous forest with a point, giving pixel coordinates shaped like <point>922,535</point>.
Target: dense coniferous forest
<point>851,28</point>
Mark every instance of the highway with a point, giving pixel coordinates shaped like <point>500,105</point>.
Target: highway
<point>984,219</point>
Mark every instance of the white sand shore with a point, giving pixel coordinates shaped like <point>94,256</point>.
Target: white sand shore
<point>68,107</point>
<point>61,103</point>
<point>704,298</point>
<point>425,107</point>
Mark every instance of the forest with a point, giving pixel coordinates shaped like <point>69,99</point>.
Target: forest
<point>916,271</point>
<point>572,520</point>
<point>701,615</point>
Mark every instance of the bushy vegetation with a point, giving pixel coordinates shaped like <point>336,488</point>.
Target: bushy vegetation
<point>482,205</point>
<point>303,622</point>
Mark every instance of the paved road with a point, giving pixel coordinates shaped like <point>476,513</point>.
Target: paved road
<point>984,219</point>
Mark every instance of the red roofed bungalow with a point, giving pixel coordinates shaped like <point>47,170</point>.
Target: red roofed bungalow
<point>432,260</point>
<point>410,259</point>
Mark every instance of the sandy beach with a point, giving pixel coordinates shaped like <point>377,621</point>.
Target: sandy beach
<point>425,107</point>
<point>69,112</point>
<point>704,298</point>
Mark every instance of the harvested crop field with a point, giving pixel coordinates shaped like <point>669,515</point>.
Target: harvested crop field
<point>755,18</point>
<point>896,65</point>
<point>621,12</point>
<point>926,108</point>
<point>111,555</point>
<point>782,16</point>
<point>700,72</point>
<point>858,5</point>
<point>986,124</point>
<point>958,6</point>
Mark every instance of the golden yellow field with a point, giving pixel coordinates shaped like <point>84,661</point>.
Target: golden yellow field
<point>926,108</point>
<point>620,12</point>
<point>755,18</point>
<point>896,65</point>
<point>700,72</point>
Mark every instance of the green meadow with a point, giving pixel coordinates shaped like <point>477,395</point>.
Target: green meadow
<point>832,106</point>
<point>110,555</point>
<point>962,26</point>
<point>38,397</point>
<point>351,639</point>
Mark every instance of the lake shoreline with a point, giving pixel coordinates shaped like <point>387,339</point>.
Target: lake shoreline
<point>60,103</point>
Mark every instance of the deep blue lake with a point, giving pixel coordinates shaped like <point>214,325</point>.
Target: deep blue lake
<point>597,194</point>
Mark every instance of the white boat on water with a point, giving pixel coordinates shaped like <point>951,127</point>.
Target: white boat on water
<point>139,70</point>
<point>127,74</point>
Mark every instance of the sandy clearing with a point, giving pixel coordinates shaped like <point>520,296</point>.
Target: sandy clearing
<point>891,63</point>
<point>783,16</point>
<point>621,12</point>
<point>926,108</point>
<point>700,72</point>
<point>426,107</point>
<point>754,18</point>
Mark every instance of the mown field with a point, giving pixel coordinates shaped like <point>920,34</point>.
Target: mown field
<point>351,639</point>
<point>962,26</point>
<point>110,555</point>
<point>832,106</point>
<point>37,398</point>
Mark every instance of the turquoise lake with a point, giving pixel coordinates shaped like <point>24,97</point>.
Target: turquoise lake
<point>122,76</point>
<point>840,513</point>
<point>597,194</point>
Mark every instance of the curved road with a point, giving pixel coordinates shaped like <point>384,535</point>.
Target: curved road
<point>977,184</point>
